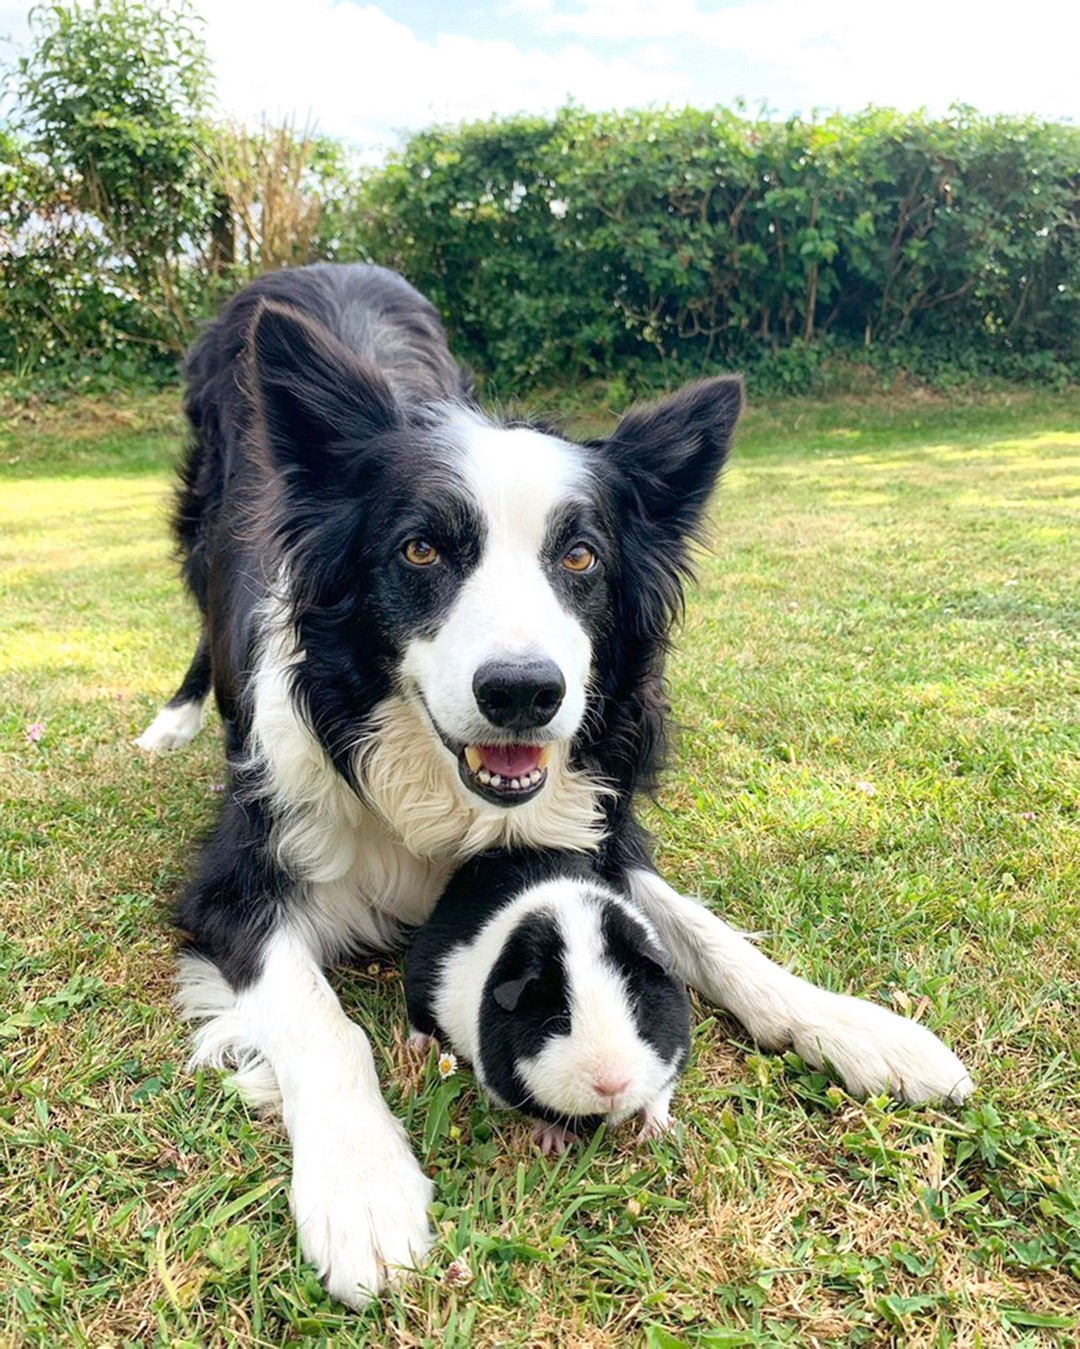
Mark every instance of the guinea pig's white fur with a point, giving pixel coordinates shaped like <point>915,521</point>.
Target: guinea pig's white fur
<point>604,1046</point>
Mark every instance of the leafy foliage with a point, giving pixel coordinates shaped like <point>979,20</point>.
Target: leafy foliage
<point>281,198</point>
<point>682,239</point>
<point>111,97</point>
<point>641,248</point>
<point>127,212</point>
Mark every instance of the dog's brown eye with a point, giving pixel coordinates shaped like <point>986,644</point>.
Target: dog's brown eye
<point>420,553</point>
<point>580,558</point>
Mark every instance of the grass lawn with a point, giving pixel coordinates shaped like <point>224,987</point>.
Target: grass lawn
<point>878,771</point>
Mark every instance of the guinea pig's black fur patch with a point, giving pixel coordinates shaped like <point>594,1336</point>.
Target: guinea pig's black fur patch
<point>661,1006</point>
<point>524,1004</point>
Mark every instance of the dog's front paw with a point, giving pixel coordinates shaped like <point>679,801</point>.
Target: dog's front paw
<point>360,1200</point>
<point>874,1051</point>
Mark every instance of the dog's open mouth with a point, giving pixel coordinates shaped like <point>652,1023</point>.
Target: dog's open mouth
<point>505,774</point>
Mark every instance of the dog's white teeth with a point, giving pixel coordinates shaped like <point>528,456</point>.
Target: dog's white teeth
<point>487,778</point>
<point>545,757</point>
<point>472,758</point>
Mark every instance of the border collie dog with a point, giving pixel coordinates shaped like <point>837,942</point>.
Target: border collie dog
<point>429,633</point>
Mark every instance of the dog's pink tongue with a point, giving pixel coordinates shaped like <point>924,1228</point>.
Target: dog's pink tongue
<point>510,761</point>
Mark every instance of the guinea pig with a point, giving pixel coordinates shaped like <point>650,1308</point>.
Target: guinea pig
<point>557,991</point>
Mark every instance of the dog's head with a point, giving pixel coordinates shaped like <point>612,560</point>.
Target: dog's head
<point>496,576</point>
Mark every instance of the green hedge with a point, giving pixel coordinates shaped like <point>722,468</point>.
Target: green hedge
<point>571,247</point>
<point>647,246</point>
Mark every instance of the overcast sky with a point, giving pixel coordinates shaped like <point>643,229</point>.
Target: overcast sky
<point>369,73</point>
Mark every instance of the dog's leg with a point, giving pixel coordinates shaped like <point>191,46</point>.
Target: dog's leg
<point>181,719</point>
<point>871,1049</point>
<point>358,1194</point>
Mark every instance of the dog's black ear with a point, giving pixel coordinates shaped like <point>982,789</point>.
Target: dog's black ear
<point>319,402</point>
<point>670,453</point>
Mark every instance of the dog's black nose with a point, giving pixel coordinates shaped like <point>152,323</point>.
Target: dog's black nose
<point>520,695</point>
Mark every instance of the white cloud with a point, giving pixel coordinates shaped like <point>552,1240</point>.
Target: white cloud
<point>616,19</point>
<point>927,52</point>
<point>359,74</point>
<point>13,31</point>
<point>850,53</point>
<point>356,72</point>
<point>13,20</point>
<point>656,56</point>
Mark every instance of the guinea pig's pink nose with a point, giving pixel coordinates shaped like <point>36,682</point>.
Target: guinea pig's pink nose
<point>610,1085</point>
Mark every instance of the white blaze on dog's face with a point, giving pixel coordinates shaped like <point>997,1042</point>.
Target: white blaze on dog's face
<point>504,673</point>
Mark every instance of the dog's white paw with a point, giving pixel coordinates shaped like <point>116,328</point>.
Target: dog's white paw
<point>874,1051</point>
<point>360,1201</point>
<point>172,727</point>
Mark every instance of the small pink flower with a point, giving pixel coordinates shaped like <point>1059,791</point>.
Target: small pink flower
<point>34,732</point>
<point>1027,814</point>
<point>217,786</point>
<point>867,788</point>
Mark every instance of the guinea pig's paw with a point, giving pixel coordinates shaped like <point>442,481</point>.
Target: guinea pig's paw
<point>418,1042</point>
<point>874,1051</point>
<point>654,1123</point>
<point>553,1138</point>
<point>360,1200</point>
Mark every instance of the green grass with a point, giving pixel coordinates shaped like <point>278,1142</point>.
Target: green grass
<point>877,687</point>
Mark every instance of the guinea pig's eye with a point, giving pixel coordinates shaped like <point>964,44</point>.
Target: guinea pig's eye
<point>580,558</point>
<point>420,553</point>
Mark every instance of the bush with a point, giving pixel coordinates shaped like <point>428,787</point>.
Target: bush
<point>573,247</point>
<point>643,247</point>
<point>111,102</point>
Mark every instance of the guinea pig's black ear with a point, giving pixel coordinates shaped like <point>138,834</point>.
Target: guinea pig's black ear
<point>632,943</point>
<point>508,994</point>
<point>656,955</point>
<point>527,963</point>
